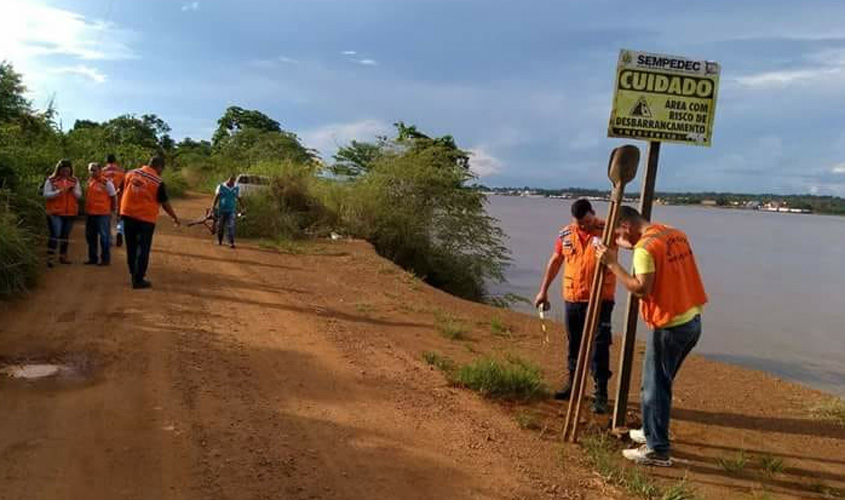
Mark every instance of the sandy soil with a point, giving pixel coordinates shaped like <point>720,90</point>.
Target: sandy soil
<point>255,374</point>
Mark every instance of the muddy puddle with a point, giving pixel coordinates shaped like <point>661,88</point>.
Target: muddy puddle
<point>69,369</point>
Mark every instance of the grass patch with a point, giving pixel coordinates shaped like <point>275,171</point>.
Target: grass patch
<point>19,260</point>
<point>439,361</point>
<point>771,465</point>
<point>364,308</point>
<point>832,410</point>
<point>602,454</point>
<point>452,328</point>
<point>680,491</point>
<point>499,329</point>
<point>733,465</point>
<point>282,245</point>
<point>527,419</point>
<point>512,378</point>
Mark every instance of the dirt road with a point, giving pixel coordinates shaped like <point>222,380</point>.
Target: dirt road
<point>255,374</point>
<point>246,374</point>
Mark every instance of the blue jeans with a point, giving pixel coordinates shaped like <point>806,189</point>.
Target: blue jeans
<point>665,352</point>
<point>59,227</point>
<point>98,230</point>
<point>226,221</point>
<point>576,316</point>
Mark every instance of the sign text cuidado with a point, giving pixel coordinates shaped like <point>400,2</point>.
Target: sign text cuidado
<point>664,98</point>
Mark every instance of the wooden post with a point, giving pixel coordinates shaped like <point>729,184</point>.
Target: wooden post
<point>626,359</point>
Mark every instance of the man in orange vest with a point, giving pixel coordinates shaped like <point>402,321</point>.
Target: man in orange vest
<point>62,191</point>
<point>143,193</point>
<point>113,172</point>
<point>575,249</point>
<point>672,298</point>
<point>100,202</point>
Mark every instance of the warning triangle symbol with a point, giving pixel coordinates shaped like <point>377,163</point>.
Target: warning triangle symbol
<point>641,109</point>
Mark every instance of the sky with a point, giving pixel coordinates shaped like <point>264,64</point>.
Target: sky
<point>525,85</point>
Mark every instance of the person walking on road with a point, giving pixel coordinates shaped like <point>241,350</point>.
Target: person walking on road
<point>62,191</point>
<point>227,197</point>
<point>672,298</point>
<point>575,249</point>
<point>143,193</point>
<point>113,172</point>
<point>100,203</point>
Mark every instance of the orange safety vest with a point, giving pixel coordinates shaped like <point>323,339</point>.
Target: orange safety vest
<point>140,194</point>
<point>66,203</point>
<point>579,267</point>
<point>115,174</point>
<point>677,283</point>
<point>97,199</point>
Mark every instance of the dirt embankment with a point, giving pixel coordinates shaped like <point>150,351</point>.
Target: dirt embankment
<point>251,373</point>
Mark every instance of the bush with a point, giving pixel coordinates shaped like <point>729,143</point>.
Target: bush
<point>175,183</point>
<point>19,264</point>
<point>512,378</point>
<point>415,210</point>
<point>291,208</point>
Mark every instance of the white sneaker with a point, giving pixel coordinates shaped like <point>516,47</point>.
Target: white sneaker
<point>637,436</point>
<point>646,456</point>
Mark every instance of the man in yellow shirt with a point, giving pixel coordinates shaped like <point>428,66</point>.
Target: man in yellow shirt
<point>672,297</point>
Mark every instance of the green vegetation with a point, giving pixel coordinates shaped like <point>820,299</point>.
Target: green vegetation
<point>527,419</point>
<point>826,491</point>
<point>832,410</point>
<point>451,328</point>
<point>602,453</point>
<point>440,362</point>
<point>411,195</point>
<point>499,328</point>
<point>770,465</point>
<point>734,464</point>
<point>512,378</point>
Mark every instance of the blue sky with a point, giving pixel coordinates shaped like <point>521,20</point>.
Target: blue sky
<point>526,85</point>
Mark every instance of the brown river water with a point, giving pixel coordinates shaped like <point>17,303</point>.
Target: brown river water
<point>775,282</point>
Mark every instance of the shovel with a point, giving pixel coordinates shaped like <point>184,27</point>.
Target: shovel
<point>621,169</point>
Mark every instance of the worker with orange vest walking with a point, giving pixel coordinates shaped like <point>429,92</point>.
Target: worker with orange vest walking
<point>575,249</point>
<point>100,202</point>
<point>62,191</point>
<point>672,298</point>
<point>143,193</point>
<point>113,172</point>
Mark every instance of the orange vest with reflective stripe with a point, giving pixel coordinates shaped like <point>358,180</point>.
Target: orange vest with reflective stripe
<point>140,194</point>
<point>677,283</point>
<point>115,174</point>
<point>579,266</point>
<point>97,199</point>
<point>66,203</point>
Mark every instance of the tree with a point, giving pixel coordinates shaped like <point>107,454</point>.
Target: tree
<point>235,119</point>
<point>13,104</point>
<point>356,158</point>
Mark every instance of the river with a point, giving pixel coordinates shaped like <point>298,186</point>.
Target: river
<point>775,282</point>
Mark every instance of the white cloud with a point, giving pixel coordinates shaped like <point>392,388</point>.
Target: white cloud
<point>482,163</point>
<point>81,70</point>
<point>349,52</point>
<point>838,169</point>
<point>823,65</point>
<point>367,62</point>
<point>784,78</point>
<point>192,6</point>
<point>29,30</point>
<point>328,138</point>
<point>288,60</point>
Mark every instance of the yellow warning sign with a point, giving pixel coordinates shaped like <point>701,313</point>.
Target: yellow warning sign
<point>664,98</point>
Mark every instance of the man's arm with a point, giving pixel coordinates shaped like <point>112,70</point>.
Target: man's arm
<point>169,209</point>
<point>639,284</point>
<point>552,268</point>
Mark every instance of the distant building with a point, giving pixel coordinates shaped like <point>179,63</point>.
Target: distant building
<point>709,203</point>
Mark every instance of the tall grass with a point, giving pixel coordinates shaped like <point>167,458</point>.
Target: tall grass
<point>512,378</point>
<point>19,264</point>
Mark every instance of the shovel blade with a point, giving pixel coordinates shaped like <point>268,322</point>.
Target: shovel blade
<point>622,167</point>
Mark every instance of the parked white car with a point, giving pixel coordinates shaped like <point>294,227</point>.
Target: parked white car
<point>251,184</point>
